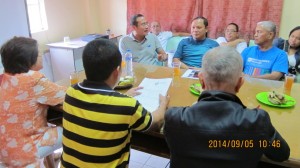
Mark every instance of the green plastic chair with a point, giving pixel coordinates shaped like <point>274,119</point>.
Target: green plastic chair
<point>173,43</point>
<point>251,43</point>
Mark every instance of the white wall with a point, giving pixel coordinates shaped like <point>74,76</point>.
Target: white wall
<point>13,21</point>
<point>290,17</point>
<point>65,18</point>
<point>76,18</point>
<point>113,15</point>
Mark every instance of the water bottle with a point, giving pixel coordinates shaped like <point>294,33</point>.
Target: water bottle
<point>128,60</point>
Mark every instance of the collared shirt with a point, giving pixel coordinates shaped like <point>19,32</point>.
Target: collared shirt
<point>216,118</point>
<point>163,38</point>
<point>144,52</point>
<point>191,51</point>
<point>239,47</point>
<point>97,124</point>
<point>24,100</point>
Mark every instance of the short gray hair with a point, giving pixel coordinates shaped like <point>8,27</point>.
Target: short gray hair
<point>222,64</point>
<point>268,25</point>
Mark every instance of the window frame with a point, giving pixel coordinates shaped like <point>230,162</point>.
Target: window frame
<point>37,17</point>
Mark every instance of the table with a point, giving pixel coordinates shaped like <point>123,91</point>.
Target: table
<point>285,120</point>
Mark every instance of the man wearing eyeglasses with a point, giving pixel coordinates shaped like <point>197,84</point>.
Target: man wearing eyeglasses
<point>232,38</point>
<point>144,46</point>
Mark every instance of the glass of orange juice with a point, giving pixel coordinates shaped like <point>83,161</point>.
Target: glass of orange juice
<point>176,68</point>
<point>73,78</point>
<point>123,63</point>
<point>288,83</point>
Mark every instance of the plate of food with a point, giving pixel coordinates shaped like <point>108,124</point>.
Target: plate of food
<point>125,83</point>
<point>196,88</point>
<point>275,99</point>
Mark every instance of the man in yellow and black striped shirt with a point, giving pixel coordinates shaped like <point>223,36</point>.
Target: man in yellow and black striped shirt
<point>97,120</point>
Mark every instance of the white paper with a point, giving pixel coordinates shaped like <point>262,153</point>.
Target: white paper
<point>190,73</point>
<point>149,96</point>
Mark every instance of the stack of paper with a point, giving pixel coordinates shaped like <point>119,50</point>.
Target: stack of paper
<point>149,96</point>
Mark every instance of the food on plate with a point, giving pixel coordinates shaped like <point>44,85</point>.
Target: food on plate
<point>127,80</point>
<point>197,87</point>
<point>276,98</point>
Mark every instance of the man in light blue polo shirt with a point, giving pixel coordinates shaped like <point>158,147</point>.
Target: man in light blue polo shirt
<point>191,50</point>
<point>144,46</point>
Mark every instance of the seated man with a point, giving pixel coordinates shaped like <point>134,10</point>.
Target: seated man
<point>164,36</point>
<point>144,46</point>
<point>218,130</point>
<point>191,50</point>
<point>232,38</point>
<point>264,60</point>
<point>98,121</point>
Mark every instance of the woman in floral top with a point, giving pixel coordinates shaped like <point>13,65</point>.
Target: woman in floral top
<point>25,95</point>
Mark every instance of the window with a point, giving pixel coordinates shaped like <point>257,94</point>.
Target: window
<point>37,15</point>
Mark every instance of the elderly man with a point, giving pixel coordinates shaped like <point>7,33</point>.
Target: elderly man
<point>218,130</point>
<point>144,46</point>
<point>163,36</point>
<point>232,38</point>
<point>191,50</point>
<point>264,60</point>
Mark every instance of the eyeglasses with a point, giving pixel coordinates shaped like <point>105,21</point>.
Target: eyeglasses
<point>230,31</point>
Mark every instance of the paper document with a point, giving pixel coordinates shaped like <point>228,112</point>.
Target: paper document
<point>190,73</point>
<point>149,96</point>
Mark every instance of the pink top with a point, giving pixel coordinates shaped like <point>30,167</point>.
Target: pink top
<point>24,100</point>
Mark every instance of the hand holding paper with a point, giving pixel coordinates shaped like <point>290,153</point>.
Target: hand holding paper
<point>149,96</point>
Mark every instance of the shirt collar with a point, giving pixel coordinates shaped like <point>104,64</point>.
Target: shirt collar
<point>132,37</point>
<point>219,96</point>
<point>197,41</point>
<point>95,86</point>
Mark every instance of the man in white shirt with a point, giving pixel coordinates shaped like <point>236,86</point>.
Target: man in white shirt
<point>232,38</point>
<point>163,36</point>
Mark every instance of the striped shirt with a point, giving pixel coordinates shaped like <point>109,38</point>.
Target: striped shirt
<point>97,124</point>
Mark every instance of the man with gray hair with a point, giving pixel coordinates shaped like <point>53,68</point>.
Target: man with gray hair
<point>214,131</point>
<point>164,36</point>
<point>264,60</point>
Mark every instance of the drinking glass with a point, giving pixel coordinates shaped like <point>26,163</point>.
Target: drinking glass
<point>288,83</point>
<point>73,78</point>
<point>176,68</point>
<point>66,39</point>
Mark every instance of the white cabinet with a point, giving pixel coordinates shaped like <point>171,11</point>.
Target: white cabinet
<point>66,58</point>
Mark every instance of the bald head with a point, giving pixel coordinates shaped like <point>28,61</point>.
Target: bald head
<point>222,66</point>
<point>155,27</point>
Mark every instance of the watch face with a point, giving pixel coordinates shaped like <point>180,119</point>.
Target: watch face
<point>292,70</point>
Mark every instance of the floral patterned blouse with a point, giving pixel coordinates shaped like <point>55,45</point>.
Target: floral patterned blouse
<point>24,100</point>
